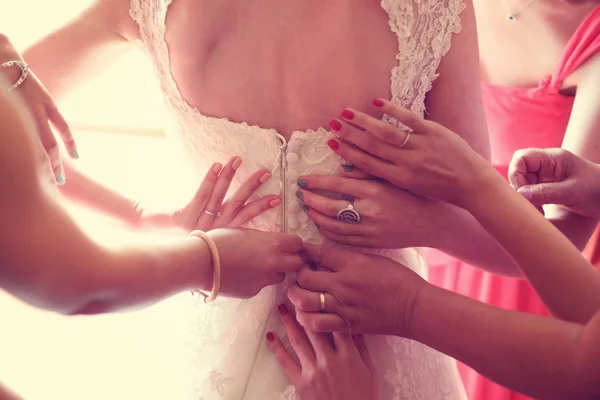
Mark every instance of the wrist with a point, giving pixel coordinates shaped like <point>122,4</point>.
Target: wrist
<point>486,187</point>
<point>417,319</point>
<point>202,268</point>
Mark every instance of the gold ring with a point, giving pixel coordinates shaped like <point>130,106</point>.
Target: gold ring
<point>322,298</point>
<point>405,140</point>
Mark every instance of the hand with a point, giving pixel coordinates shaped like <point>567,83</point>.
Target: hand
<point>557,176</point>
<point>335,369</point>
<point>363,293</point>
<point>43,110</point>
<point>430,161</point>
<point>251,260</point>
<point>389,217</point>
<point>207,210</point>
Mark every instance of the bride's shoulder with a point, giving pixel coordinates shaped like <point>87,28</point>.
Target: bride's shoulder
<point>118,15</point>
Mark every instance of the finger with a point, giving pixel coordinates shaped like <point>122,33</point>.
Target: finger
<point>351,240</point>
<point>204,190</point>
<point>298,338</point>
<point>333,183</point>
<point>252,210</point>
<point>220,189</point>
<point>364,161</point>
<point>383,130</point>
<point>336,226</point>
<point>63,129</point>
<point>50,146</point>
<point>523,167</point>
<point>314,281</point>
<point>318,322</point>
<point>237,201</point>
<point>322,346</point>
<point>289,263</point>
<point>350,171</point>
<point>320,203</point>
<point>547,193</point>
<point>344,344</point>
<point>365,140</point>
<point>308,301</point>
<point>363,350</point>
<point>402,115</point>
<point>285,359</point>
<point>290,243</point>
<point>332,258</point>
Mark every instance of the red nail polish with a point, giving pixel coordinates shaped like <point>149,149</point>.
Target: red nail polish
<point>333,144</point>
<point>283,310</point>
<point>270,336</point>
<point>347,114</point>
<point>335,125</point>
<point>378,103</point>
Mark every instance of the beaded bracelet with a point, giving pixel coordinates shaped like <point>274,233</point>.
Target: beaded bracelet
<point>24,72</point>
<point>216,267</point>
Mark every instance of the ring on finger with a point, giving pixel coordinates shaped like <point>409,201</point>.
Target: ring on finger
<point>405,140</point>
<point>348,215</point>
<point>211,213</point>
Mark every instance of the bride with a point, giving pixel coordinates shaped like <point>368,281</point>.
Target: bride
<point>258,79</point>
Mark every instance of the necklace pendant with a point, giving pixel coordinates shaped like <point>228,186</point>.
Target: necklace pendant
<point>512,17</point>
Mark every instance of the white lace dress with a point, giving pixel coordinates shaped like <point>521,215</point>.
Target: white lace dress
<point>227,339</point>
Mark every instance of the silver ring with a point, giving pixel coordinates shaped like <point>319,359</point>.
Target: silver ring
<point>214,214</point>
<point>24,72</point>
<point>405,140</point>
<point>349,215</point>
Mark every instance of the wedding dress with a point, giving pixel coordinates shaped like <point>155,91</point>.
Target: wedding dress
<point>227,338</point>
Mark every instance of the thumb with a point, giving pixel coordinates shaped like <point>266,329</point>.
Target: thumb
<point>546,193</point>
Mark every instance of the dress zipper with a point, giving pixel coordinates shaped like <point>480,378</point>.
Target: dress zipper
<point>283,165</point>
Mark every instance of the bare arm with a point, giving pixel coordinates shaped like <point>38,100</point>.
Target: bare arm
<point>90,43</point>
<point>49,262</point>
<point>541,357</point>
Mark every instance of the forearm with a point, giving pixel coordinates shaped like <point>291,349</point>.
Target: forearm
<point>537,356</point>
<point>81,188</point>
<point>564,280</point>
<point>52,264</point>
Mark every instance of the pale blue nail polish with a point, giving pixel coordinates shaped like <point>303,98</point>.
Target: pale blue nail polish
<point>306,209</point>
<point>300,195</point>
<point>348,167</point>
<point>302,183</point>
<point>60,178</point>
<point>76,154</point>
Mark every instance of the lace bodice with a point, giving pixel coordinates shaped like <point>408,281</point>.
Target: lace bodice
<point>227,338</point>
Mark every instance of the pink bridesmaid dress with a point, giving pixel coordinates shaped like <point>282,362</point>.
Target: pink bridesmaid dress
<point>518,118</point>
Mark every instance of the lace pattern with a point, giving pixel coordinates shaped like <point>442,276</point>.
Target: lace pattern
<point>230,359</point>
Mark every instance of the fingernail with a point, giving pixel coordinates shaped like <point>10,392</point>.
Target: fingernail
<point>283,310</point>
<point>348,167</point>
<point>76,154</point>
<point>526,192</point>
<point>378,103</point>
<point>306,209</point>
<point>265,177</point>
<point>347,114</point>
<point>335,125</point>
<point>300,195</point>
<point>217,168</point>
<point>236,164</point>
<point>60,178</point>
<point>270,336</point>
<point>275,203</point>
<point>302,183</point>
<point>333,144</point>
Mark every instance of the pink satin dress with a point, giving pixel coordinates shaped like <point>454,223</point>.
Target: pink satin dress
<point>518,118</point>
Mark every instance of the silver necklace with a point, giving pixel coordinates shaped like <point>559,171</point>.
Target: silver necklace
<point>512,15</point>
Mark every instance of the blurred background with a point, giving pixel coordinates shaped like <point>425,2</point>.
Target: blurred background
<point>116,119</point>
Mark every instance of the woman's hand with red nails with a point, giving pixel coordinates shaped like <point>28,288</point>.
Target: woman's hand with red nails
<point>209,210</point>
<point>422,157</point>
<point>330,367</point>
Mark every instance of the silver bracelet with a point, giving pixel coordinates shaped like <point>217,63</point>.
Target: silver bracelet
<point>24,72</point>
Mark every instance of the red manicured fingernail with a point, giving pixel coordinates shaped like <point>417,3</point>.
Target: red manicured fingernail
<point>270,336</point>
<point>333,144</point>
<point>347,114</point>
<point>283,310</point>
<point>378,103</point>
<point>335,125</point>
